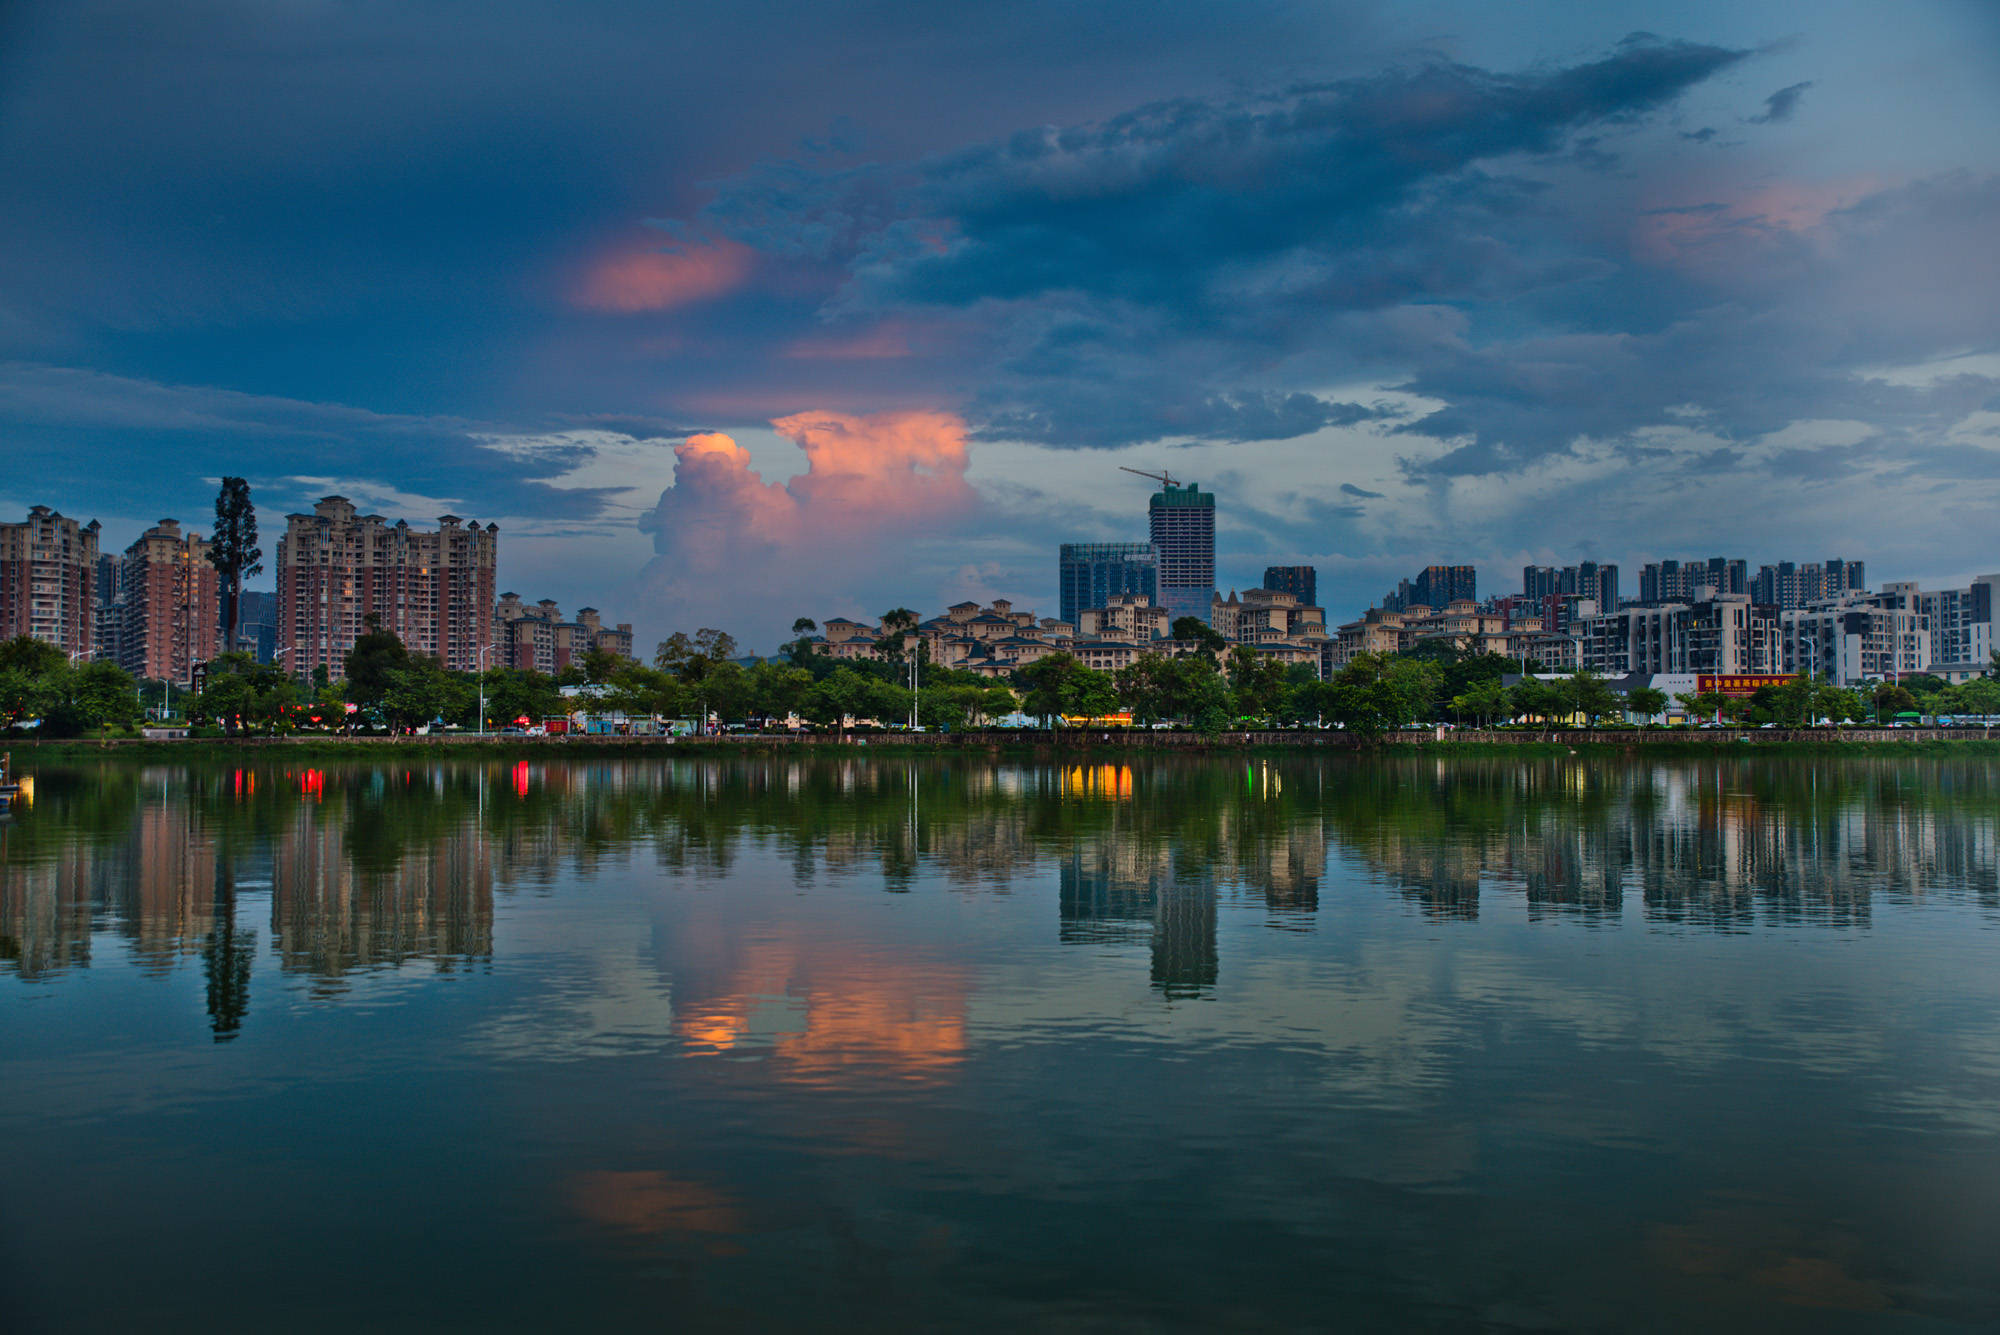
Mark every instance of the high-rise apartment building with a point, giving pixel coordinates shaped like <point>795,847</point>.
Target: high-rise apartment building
<point>1726,635</point>
<point>1788,584</point>
<point>1961,627</point>
<point>1440,586</point>
<point>534,635</point>
<point>1587,579</point>
<point>48,581</point>
<point>434,589</point>
<point>1091,574</point>
<point>257,624</point>
<point>1183,527</point>
<point>167,595</point>
<point>1435,587</point>
<point>1683,581</point>
<point>1302,582</point>
<point>1871,639</point>
<point>109,608</point>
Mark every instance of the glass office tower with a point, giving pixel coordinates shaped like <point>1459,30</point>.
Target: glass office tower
<point>1089,573</point>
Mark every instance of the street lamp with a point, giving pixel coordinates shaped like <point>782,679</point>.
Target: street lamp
<point>482,684</point>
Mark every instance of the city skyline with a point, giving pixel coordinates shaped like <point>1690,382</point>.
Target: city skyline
<point>1400,284</point>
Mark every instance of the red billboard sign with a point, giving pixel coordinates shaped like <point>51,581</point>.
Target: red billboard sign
<point>1741,685</point>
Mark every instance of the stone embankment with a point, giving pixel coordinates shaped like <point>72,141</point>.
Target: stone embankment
<point>1071,738</point>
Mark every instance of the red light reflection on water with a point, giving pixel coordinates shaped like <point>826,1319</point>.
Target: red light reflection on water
<point>312,784</point>
<point>521,778</point>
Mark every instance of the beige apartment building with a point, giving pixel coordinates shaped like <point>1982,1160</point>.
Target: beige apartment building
<point>48,581</point>
<point>434,588</point>
<point>1380,631</point>
<point>535,635</point>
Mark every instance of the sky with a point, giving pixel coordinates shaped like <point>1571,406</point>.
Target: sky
<point>733,314</point>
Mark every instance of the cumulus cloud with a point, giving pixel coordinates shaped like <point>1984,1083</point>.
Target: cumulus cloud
<point>736,550</point>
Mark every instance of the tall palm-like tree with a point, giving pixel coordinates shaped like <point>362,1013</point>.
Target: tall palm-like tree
<point>233,550</point>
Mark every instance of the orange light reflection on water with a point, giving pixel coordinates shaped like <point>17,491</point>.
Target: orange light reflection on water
<point>1103,781</point>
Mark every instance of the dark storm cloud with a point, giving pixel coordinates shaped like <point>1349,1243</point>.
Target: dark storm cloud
<point>1780,105</point>
<point>1158,204</point>
<point>1119,413</point>
<point>1140,272</point>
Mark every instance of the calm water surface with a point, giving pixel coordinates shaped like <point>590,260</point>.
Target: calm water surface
<point>768,1044</point>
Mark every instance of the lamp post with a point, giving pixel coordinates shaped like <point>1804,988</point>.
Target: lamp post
<point>482,684</point>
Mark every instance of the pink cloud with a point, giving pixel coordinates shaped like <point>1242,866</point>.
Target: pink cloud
<point>728,541</point>
<point>880,343</point>
<point>1691,236</point>
<point>657,279</point>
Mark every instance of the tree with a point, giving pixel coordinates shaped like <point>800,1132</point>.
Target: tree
<point>227,698</point>
<point>1646,700</point>
<point>1146,687</point>
<point>1981,695</point>
<point>32,679</point>
<point>1485,701</point>
<point>1047,684</point>
<point>725,690</point>
<point>692,658</point>
<point>329,705</point>
<point>1835,703</point>
<point>1462,671</point>
<point>961,703</point>
<point>1588,695</point>
<point>1092,694</point>
<point>517,693</point>
<point>1256,683</point>
<point>640,691</point>
<point>894,646</point>
<point>599,666</point>
<point>800,647</point>
<point>36,657</point>
<point>1542,701</point>
<point>1199,632</point>
<point>1376,692</point>
<point>98,695</point>
<point>839,696</point>
<point>421,692</point>
<point>1703,704</point>
<point>777,692</point>
<point>1155,687</point>
<point>373,662</point>
<point>1892,699</point>
<point>38,682</point>
<point>233,550</point>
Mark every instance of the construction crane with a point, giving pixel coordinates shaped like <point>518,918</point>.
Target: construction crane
<point>1165,479</point>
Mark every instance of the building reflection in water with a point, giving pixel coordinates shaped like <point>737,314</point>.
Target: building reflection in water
<point>1717,844</point>
<point>162,859</point>
<point>370,867</point>
<point>1157,869</point>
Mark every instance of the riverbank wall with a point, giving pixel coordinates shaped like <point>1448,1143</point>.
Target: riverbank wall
<point>1439,741</point>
